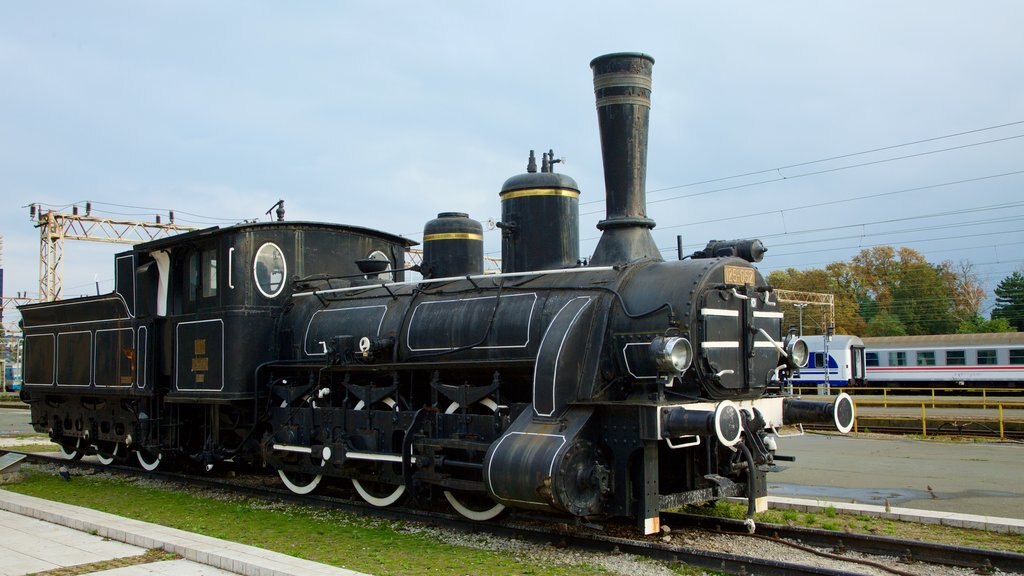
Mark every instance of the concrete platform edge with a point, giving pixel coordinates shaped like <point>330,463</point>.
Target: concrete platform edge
<point>223,554</point>
<point>974,522</point>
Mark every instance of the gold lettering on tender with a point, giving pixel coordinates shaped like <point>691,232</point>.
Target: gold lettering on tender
<point>739,275</point>
<point>200,364</point>
<point>200,347</point>
<point>126,380</point>
<point>200,378</point>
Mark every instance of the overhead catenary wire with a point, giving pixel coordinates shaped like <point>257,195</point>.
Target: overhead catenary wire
<point>843,156</point>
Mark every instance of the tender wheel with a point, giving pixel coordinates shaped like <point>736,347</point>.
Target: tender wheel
<point>376,493</point>
<point>147,460</point>
<point>101,455</point>
<point>473,505</point>
<point>71,453</point>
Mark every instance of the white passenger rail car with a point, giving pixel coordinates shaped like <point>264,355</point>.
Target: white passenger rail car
<point>948,360</point>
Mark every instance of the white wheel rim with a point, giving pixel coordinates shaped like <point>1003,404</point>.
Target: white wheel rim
<point>148,465</point>
<point>108,461</point>
<point>70,454</point>
<point>300,488</point>
<point>378,501</point>
<point>296,487</point>
<point>475,515</point>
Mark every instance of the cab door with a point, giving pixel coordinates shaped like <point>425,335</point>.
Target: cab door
<point>198,326</point>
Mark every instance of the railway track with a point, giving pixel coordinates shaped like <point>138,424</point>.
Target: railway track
<point>842,553</point>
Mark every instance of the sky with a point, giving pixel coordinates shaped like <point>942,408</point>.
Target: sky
<point>821,128</point>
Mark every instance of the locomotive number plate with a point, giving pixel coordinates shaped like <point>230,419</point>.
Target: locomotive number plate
<point>739,275</point>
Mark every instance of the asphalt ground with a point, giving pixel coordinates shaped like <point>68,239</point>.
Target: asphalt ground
<point>982,478</point>
<point>14,421</point>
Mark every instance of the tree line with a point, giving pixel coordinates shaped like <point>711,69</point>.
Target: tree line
<point>885,291</point>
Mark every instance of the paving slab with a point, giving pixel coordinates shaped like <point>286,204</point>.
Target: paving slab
<point>32,545</point>
<point>65,535</point>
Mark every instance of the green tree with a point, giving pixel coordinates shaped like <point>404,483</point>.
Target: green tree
<point>834,279</point>
<point>1010,300</point>
<point>885,324</point>
<point>979,325</point>
<point>897,289</point>
<point>922,301</point>
<point>966,288</point>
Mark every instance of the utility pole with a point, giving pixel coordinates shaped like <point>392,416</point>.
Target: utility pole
<point>55,228</point>
<point>800,306</point>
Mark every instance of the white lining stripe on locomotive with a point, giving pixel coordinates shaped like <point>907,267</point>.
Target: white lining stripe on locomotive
<point>142,346</point>
<point>625,359</point>
<point>720,344</point>
<point>529,323</point>
<point>177,353</point>
<point>733,344</point>
<point>735,313</point>
<point>91,300</point>
<point>305,338</point>
<point>561,345</point>
<point>551,466</point>
<point>53,365</point>
<point>135,287</point>
<point>456,278</point>
<point>92,347</point>
<point>95,352</point>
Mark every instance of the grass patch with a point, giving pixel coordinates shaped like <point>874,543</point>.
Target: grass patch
<point>150,556</point>
<point>48,447</point>
<point>831,519</point>
<point>323,535</point>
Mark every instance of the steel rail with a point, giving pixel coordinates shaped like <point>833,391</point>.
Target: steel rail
<point>906,550</point>
<point>547,530</point>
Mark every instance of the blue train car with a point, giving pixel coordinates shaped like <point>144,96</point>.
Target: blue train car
<point>12,377</point>
<point>835,360</point>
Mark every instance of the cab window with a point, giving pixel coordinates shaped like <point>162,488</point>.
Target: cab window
<point>270,270</point>
<point>209,266</point>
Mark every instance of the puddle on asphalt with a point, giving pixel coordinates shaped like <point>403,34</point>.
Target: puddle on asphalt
<point>876,496</point>
<point>856,495</point>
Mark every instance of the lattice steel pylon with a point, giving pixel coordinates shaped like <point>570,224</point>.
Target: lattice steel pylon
<point>414,257</point>
<point>813,298</point>
<point>55,228</point>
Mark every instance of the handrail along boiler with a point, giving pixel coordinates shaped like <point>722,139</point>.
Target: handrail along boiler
<point>615,388</point>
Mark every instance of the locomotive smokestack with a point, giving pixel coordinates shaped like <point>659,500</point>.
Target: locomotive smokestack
<point>622,87</point>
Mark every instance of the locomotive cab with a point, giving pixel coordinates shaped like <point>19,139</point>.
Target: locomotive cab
<point>180,339</point>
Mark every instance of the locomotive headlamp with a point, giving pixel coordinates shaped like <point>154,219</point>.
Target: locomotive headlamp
<point>796,351</point>
<point>672,354</point>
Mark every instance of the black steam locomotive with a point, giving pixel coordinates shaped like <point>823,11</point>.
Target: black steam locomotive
<point>612,388</point>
